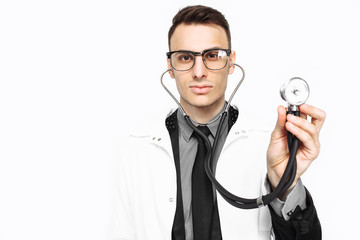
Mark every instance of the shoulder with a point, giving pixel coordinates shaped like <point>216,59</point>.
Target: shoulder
<point>152,126</point>
<point>151,131</point>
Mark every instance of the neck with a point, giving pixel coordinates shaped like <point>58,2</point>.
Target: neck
<point>203,114</point>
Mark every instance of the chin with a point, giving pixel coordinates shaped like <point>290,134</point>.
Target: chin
<point>203,102</point>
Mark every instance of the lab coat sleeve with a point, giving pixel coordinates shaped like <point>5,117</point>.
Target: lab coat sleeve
<point>120,225</point>
<point>303,224</point>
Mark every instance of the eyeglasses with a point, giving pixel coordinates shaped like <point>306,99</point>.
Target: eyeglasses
<point>214,59</point>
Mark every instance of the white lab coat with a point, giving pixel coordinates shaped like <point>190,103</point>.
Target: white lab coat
<point>145,195</point>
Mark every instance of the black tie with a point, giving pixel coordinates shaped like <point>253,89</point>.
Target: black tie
<point>202,192</point>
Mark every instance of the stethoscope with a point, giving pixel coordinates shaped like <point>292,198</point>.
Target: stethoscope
<point>295,91</point>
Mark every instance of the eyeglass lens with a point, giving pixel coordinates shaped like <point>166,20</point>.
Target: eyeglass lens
<point>214,60</point>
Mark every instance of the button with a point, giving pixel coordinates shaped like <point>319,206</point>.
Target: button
<point>243,131</point>
<point>237,133</point>
<point>171,199</point>
<point>154,138</point>
<point>159,139</point>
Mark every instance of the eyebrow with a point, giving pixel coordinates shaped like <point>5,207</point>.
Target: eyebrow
<point>216,47</point>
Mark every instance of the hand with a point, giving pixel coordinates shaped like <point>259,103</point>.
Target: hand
<point>309,145</point>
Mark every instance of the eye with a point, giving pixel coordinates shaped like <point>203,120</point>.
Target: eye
<point>184,57</point>
<point>214,55</point>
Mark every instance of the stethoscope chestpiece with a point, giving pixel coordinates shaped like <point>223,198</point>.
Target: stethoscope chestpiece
<point>295,92</point>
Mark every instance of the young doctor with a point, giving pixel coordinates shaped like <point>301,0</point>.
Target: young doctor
<point>162,190</point>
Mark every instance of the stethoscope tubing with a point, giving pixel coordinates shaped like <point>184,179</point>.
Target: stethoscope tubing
<point>247,203</point>
<point>239,202</point>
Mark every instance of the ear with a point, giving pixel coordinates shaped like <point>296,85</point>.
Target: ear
<point>171,73</point>
<point>232,60</point>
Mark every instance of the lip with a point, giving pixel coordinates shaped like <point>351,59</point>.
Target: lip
<point>198,89</point>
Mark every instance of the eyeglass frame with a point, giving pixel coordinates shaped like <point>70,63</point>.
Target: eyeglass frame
<point>228,52</point>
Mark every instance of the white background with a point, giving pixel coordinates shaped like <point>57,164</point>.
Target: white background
<point>74,76</point>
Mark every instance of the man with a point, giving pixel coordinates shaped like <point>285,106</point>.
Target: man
<point>162,191</point>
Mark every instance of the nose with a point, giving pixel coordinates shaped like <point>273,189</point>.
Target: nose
<point>199,71</point>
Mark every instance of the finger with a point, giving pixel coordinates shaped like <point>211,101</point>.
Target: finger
<point>317,115</point>
<point>312,111</point>
<point>307,140</point>
<point>280,130</point>
<point>304,125</point>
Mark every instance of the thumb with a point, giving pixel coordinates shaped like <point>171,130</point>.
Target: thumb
<point>280,130</point>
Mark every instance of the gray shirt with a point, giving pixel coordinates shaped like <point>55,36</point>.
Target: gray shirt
<point>188,148</point>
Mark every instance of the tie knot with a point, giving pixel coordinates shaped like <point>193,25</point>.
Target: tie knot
<point>204,129</point>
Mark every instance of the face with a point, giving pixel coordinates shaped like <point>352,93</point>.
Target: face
<point>200,87</point>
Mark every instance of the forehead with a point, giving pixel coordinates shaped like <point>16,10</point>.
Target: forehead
<point>198,37</point>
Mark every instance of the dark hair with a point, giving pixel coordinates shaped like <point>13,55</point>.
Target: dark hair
<point>199,14</point>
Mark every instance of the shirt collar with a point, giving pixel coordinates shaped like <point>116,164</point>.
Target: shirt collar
<point>187,131</point>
